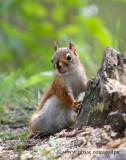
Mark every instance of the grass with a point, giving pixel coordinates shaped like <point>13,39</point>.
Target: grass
<point>19,97</point>
<point>5,135</point>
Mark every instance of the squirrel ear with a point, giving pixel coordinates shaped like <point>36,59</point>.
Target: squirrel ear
<point>71,45</point>
<point>55,46</point>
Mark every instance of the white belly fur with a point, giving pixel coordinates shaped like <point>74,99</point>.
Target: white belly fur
<point>53,116</point>
<point>73,82</point>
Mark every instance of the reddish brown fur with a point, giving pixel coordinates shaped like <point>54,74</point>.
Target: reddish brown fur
<point>56,88</point>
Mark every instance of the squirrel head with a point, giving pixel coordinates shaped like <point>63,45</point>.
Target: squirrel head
<point>65,60</point>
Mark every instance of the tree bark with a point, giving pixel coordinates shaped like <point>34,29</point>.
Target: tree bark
<point>105,97</point>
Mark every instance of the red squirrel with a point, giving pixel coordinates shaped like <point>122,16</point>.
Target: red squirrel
<point>59,106</point>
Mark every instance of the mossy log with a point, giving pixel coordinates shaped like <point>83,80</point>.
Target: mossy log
<point>105,98</point>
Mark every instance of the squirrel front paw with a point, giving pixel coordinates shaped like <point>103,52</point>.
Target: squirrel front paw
<point>76,106</point>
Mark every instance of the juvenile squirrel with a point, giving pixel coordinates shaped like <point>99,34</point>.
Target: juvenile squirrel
<point>59,106</point>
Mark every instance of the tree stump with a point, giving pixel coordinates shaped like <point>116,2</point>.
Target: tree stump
<point>105,97</point>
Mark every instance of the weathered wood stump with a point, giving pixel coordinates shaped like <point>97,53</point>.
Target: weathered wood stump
<point>105,97</point>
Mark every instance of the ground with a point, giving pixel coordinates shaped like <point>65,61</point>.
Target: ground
<point>84,143</point>
<point>81,143</point>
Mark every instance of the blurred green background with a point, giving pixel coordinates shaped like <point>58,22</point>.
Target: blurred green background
<point>28,29</point>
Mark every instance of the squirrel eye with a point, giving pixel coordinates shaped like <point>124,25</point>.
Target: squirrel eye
<point>52,60</point>
<point>69,58</point>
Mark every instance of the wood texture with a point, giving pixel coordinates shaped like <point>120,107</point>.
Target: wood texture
<point>105,97</point>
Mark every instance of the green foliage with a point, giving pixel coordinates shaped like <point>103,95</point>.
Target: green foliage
<point>29,28</point>
<point>52,141</point>
<point>36,148</point>
<point>5,135</point>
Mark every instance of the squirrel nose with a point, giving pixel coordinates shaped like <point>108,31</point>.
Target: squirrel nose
<point>59,65</point>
